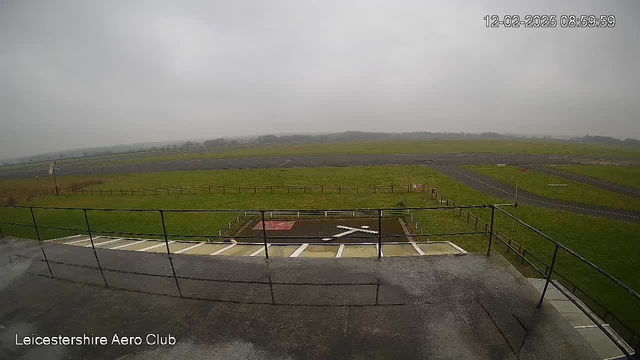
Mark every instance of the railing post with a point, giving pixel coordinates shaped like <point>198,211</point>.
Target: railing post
<point>264,236</point>
<point>166,242</point>
<point>35,226</point>
<point>493,210</point>
<point>93,246</point>
<point>379,234</point>
<point>549,274</point>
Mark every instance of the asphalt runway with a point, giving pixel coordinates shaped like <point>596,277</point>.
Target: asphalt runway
<point>89,167</point>
<point>497,188</point>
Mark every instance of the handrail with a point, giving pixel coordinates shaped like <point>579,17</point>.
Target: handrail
<point>580,257</point>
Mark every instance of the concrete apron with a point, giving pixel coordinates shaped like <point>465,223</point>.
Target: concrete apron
<point>332,250</point>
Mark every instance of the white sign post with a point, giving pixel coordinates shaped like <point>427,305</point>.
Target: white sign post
<point>52,170</point>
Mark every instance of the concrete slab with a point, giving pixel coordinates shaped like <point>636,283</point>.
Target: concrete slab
<point>118,243</point>
<point>141,244</point>
<point>399,250</point>
<point>173,247</point>
<point>73,239</point>
<point>578,319</point>
<point>600,342</point>
<point>241,250</point>
<point>359,251</point>
<point>437,248</point>
<point>320,251</point>
<point>280,250</point>
<point>565,306</point>
<point>110,243</point>
<point>206,249</point>
<point>83,242</point>
<point>422,307</point>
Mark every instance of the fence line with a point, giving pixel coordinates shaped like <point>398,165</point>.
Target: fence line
<point>456,209</point>
<point>243,189</point>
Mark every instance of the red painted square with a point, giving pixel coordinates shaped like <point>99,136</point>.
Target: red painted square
<point>274,225</point>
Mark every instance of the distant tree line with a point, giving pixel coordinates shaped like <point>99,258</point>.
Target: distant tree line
<point>297,138</point>
<point>608,140</point>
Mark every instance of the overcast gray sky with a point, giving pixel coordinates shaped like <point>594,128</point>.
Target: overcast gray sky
<point>92,73</point>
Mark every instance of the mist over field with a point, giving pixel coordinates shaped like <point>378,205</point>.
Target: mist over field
<point>91,74</point>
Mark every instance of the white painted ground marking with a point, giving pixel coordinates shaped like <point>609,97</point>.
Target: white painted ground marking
<point>223,249</point>
<point>155,246</point>
<point>365,226</point>
<point>104,242</point>
<point>260,250</point>
<point>77,241</point>
<point>65,238</point>
<point>340,250</point>
<point>299,250</point>
<point>350,230</point>
<point>345,233</point>
<point>125,245</point>
<point>356,229</point>
<point>189,248</point>
<point>589,326</point>
<point>415,246</point>
<point>462,251</point>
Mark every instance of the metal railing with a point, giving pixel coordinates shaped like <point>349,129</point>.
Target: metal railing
<point>547,270</point>
<point>379,213</point>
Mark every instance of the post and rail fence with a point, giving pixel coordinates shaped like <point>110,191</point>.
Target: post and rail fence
<point>255,189</point>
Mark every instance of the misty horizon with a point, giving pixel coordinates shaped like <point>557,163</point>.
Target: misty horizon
<point>84,75</point>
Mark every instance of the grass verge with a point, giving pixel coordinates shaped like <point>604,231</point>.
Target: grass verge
<point>535,182</point>
<point>625,175</point>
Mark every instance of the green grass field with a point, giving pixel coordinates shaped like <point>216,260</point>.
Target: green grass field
<point>625,175</point>
<point>535,182</point>
<point>608,243</point>
<point>395,146</point>
<point>527,146</point>
<point>24,189</point>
